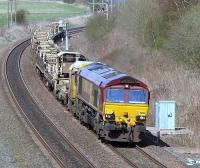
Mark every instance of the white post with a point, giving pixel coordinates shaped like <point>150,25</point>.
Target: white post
<point>8,14</point>
<point>11,13</point>
<point>93,7</point>
<point>15,11</point>
<point>66,41</point>
<point>107,9</point>
<point>111,5</point>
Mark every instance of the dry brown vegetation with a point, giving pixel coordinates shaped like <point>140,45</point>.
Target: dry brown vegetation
<point>146,42</point>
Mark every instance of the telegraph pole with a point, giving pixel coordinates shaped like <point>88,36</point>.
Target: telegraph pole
<point>93,7</point>
<point>107,10</point>
<point>11,12</point>
<point>66,38</point>
<point>111,5</point>
<point>15,11</point>
<point>8,14</point>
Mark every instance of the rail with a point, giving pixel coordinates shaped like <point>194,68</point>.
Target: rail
<point>28,108</point>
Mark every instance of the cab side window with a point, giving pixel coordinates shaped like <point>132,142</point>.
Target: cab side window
<point>82,58</point>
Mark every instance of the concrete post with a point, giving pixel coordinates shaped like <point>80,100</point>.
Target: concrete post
<point>15,11</point>
<point>8,13</point>
<point>66,39</point>
<point>111,5</point>
<point>11,12</point>
<point>107,10</point>
<point>93,7</point>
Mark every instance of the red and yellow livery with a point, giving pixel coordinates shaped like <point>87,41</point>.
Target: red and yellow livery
<point>114,104</point>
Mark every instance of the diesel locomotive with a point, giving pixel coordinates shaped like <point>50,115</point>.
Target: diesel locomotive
<point>114,104</point>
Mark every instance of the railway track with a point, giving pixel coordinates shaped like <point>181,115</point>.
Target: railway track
<point>61,149</point>
<point>139,154</point>
<point>76,30</point>
<point>139,149</point>
<point>130,162</point>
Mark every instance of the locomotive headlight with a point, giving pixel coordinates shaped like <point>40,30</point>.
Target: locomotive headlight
<point>110,116</point>
<point>140,118</point>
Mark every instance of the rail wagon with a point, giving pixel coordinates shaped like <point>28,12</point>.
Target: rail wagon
<point>54,69</point>
<point>114,104</point>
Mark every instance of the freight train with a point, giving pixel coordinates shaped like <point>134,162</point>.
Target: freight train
<point>114,104</point>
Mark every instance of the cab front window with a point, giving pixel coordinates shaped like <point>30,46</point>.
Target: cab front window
<point>115,95</point>
<point>136,96</point>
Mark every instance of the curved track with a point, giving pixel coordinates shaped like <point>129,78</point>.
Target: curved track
<point>57,144</point>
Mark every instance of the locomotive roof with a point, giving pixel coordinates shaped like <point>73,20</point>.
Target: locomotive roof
<point>79,64</point>
<point>101,74</point>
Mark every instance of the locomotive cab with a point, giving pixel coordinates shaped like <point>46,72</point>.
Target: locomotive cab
<point>126,105</point>
<point>125,110</point>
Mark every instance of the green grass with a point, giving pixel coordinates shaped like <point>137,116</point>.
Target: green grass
<point>2,45</point>
<point>41,11</point>
<point>3,19</point>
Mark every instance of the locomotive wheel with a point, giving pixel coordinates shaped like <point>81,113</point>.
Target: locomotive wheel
<point>74,114</point>
<point>37,70</point>
<point>78,109</point>
<point>81,120</point>
<point>39,73</point>
<point>88,126</point>
<point>47,84</point>
<point>95,128</point>
<point>98,135</point>
<point>70,106</point>
<point>64,101</point>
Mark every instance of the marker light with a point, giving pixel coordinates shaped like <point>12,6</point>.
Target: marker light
<point>140,118</point>
<point>127,86</point>
<point>110,116</point>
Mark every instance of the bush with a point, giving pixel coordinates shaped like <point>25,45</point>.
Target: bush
<point>142,19</point>
<point>149,21</point>
<point>184,41</point>
<point>21,16</point>
<point>68,1</point>
<point>98,27</point>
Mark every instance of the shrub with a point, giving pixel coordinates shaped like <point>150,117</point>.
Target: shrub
<point>142,19</point>
<point>21,16</point>
<point>68,1</point>
<point>184,41</point>
<point>98,27</point>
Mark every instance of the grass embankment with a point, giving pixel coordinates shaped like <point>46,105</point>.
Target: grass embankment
<point>158,42</point>
<point>43,10</point>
